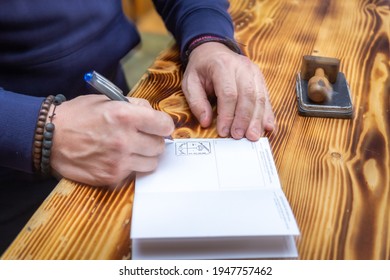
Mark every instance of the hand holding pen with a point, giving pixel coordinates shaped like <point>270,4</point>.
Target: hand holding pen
<point>101,143</point>
<point>106,87</point>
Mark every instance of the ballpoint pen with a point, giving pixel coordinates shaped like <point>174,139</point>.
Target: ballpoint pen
<point>105,86</point>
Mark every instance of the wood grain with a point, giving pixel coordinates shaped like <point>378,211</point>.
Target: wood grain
<point>335,173</point>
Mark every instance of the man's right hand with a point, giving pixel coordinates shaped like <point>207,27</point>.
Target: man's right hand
<point>100,142</point>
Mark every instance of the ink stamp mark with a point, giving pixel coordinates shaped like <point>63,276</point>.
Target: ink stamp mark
<point>193,148</point>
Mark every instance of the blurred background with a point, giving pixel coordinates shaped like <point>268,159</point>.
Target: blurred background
<point>154,38</point>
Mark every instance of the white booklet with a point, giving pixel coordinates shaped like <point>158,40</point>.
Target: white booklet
<point>212,199</point>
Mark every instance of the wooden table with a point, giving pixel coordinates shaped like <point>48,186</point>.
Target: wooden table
<point>335,172</point>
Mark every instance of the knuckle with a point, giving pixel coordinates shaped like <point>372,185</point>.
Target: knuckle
<point>229,92</point>
<point>244,116</point>
<point>143,102</point>
<point>261,100</point>
<point>116,145</point>
<point>120,114</point>
<point>249,92</point>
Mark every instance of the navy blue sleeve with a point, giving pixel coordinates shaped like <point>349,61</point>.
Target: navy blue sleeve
<point>18,118</point>
<point>188,19</point>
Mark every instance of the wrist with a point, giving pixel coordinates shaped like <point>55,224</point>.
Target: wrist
<point>197,41</point>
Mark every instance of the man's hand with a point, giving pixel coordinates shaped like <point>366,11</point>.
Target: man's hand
<point>100,142</point>
<point>243,105</point>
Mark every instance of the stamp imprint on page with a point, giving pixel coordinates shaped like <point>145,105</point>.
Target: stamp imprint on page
<point>193,148</point>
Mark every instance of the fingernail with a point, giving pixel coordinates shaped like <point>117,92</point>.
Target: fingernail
<point>270,124</point>
<point>225,131</point>
<point>256,132</point>
<point>239,132</point>
<point>202,117</point>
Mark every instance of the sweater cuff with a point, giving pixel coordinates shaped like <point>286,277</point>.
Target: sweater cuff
<point>18,119</point>
<point>201,22</point>
<point>232,45</point>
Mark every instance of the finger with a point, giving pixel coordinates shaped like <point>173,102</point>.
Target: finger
<point>140,163</point>
<point>147,145</point>
<point>197,99</point>
<point>139,101</point>
<point>150,121</point>
<point>226,92</point>
<point>247,86</point>
<point>269,117</point>
<point>262,105</point>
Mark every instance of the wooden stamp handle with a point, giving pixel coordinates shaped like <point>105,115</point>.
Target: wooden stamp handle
<point>318,87</point>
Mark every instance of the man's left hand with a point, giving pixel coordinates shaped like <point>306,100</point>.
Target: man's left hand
<point>243,105</point>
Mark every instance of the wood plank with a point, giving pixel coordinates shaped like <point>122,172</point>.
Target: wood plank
<point>335,173</point>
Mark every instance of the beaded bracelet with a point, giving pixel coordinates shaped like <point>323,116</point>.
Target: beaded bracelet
<point>209,38</point>
<point>48,133</point>
<point>38,137</point>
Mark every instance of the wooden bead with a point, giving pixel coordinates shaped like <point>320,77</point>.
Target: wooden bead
<point>39,130</point>
<point>42,118</point>
<point>38,138</point>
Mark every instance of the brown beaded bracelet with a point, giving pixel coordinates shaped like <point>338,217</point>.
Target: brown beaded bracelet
<point>40,127</point>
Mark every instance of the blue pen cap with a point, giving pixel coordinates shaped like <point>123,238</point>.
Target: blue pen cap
<point>88,76</point>
<point>103,85</point>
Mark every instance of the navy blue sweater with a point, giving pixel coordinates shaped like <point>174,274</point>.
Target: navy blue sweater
<point>46,47</point>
